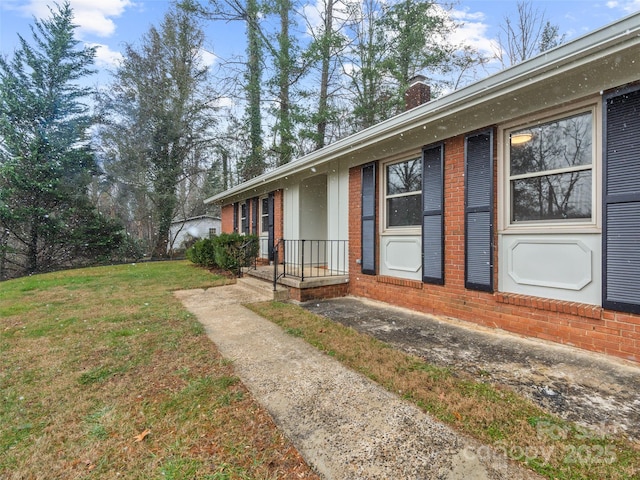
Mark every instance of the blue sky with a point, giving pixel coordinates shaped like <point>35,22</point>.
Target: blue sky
<point>111,23</point>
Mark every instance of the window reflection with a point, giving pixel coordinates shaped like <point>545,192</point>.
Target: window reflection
<point>264,227</point>
<point>550,170</point>
<point>404,211</point>
<point>403,193</point>
<point>404,177</point>
<point>552,197</point>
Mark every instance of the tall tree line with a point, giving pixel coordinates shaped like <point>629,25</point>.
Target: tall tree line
<point>156,131</point>
<point>174,129</point>
<point>317,72</point>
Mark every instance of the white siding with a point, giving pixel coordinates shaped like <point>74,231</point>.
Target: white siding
<point>291,214</point>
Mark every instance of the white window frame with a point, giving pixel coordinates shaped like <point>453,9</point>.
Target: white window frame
<point>243,219</point>
<point>592,225</point>
<point>396,230</point>
<point>263,214</point>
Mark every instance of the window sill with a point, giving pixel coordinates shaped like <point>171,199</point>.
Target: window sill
<point>402,282</point>
<point>547,229</point>
<point>550,305</point>
<point>411,231</point>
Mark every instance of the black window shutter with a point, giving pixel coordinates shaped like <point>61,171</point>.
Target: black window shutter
<point>478,211</point>
<point>254,216</point>
<point>271,224</point>
<point>235,217</point>
<point>621,216</point>
<point>433,214</point>
<point>368,256</point>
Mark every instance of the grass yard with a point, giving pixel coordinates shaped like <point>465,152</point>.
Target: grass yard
<point>103,374</point>
<point>498,417</point>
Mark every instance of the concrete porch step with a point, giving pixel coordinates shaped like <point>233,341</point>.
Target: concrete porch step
<point>258,285</point>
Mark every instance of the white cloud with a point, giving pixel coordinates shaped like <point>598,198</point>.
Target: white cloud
<point>105,57</point>
<point>628,6</point>
<point>314,11</point>
<point>207,59</point>
<point>92,17</point>
<point>225,102</point>
<point>473,31</point>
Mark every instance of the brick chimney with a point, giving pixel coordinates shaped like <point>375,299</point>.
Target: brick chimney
<point>417,93</point>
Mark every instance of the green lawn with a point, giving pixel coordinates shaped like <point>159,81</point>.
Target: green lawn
<point>103,374</point>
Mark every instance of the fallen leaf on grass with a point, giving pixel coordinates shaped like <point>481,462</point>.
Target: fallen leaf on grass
<point>140,437</point>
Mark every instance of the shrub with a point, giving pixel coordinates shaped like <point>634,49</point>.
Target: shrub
<point>228,251</point>
<point>202,253</point>
<point>233,250</point>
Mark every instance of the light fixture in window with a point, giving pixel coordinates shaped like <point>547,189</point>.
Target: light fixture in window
<point>520,138</point>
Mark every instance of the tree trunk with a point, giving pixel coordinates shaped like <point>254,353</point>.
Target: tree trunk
<point>255,163</point>
<point>324,76</point>
<point>285,150</point>
<point>32,248</point>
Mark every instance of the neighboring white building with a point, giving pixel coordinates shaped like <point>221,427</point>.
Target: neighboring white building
<point>203,226</point>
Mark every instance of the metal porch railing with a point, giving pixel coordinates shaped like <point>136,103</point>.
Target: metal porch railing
<point>306,259</point>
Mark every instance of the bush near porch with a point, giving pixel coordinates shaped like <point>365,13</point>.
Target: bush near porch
<point>227,251</point>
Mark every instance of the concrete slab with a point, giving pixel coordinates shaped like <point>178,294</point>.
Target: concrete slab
<point>597,391</point>
<point>345,426</point>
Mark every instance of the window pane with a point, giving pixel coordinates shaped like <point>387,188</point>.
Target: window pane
<point>403,211</point>
<point>552,197</point>
<point>243,218</point>
<point>559,144</point>
<point>404,177</point>
<point>265,215</point>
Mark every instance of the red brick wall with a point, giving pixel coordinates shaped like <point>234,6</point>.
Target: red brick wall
<point>317,293</point>
<point>227,215</point>
<point>584,326</point>
<point>227,218</point>
<point>278,212</point>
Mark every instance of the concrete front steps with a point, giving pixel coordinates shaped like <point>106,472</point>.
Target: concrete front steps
<point>258,285</point>
<point>312,288</point>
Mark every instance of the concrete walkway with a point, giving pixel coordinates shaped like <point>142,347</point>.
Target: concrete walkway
<point>343,424</point>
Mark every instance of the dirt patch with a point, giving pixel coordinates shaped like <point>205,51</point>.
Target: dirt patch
<point>590,389</point>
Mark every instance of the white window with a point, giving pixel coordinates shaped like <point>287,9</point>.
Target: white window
<point>264,215</point>
<point>244,226</point>
<point>403,193</point>
<point>549,169</point>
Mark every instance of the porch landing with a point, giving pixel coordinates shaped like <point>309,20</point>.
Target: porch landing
<point>316,283</point>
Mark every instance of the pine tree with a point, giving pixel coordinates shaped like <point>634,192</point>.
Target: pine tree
<point>46,161</point>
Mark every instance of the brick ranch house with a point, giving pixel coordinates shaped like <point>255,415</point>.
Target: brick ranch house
<point>512,203</point>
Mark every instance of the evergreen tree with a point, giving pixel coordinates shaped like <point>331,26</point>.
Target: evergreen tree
<point>46,162</point>
<point>157,119</point>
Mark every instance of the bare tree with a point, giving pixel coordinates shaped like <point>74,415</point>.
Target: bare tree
<point>157,117</point>
<point>526,34</point>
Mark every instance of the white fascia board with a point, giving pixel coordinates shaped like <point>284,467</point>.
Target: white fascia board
<point>621,35</point>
